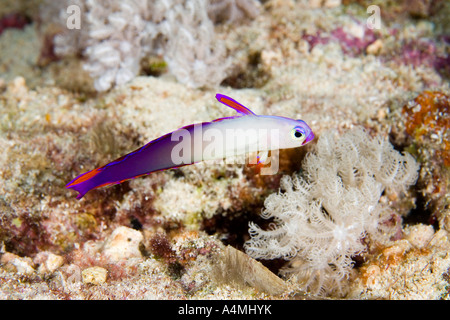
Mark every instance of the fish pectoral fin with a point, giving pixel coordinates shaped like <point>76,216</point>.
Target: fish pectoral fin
<point>262,157</point>
<point>259,159</point>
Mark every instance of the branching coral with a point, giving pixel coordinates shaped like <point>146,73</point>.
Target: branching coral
<point>116,35</point>
<point>320,219</point>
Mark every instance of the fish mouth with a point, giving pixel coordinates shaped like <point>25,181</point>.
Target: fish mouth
<point>308,138</point>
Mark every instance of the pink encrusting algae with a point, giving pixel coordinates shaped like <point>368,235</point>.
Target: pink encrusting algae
<point>13,20</point>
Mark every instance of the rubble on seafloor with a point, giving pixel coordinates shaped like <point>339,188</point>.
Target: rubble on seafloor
<point>179,234</point>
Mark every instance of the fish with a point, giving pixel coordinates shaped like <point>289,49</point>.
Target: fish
<point>219,139</point>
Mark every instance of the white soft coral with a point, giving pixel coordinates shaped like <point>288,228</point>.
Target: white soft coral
<point>321,219</point>
<point>115,35</point>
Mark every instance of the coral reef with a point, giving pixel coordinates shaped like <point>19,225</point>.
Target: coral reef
<point>117,35</point>
<point>421,258</point>
<point>354,41</point>
<point>428,117</point>
<point>232,11</point>
<point>399,10</point>
<point>320,220</point>
<point>426,122</point>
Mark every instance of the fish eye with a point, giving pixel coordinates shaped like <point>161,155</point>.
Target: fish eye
<point>297,133</point>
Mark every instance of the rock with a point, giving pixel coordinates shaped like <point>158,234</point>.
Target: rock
<point>375,47</point>
<point>17,264</point>
<point>94,275</point>
<point>420,235</point>
<point>236,268</point>
<point>122,244</point>
<point>48,262</point>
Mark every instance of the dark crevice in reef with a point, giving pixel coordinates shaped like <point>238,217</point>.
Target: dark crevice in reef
<point>232,229</point>
<point>274,265</point>
<point>422,213</point>
<point>252,76</point>
<point>398,144</point>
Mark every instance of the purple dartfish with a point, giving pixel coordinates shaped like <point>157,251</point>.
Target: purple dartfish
<point>219,139</point>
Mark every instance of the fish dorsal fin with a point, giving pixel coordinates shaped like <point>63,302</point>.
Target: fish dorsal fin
<point>234,104</point>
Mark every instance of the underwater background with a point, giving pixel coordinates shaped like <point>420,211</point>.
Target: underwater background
<point>361,212</point>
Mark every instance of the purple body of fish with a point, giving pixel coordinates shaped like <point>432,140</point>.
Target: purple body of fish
<point>159,154</point>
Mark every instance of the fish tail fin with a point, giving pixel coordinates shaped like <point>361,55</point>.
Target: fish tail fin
<point>85,182</point>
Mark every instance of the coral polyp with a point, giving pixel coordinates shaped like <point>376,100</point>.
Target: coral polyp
<point>321,217</point>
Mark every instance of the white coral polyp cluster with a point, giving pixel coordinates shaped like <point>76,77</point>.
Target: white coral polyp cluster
<point>321,218</point>
<point>116,34</point>
<point>193,55</point>
<point>116,42</point>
